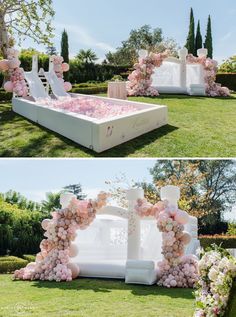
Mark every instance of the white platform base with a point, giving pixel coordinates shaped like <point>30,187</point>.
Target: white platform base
<point>98,135</point>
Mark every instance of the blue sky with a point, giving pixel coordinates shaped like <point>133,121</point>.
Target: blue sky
<point>102,25</point>
<point>33,178</point>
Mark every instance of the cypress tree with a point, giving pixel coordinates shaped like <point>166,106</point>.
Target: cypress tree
<point>198,40</point>
<point>208,41</point>
<point>190,44</point>
<point>65,46</point>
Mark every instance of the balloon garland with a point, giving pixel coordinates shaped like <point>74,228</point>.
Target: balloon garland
<point>175,270</point>
<point>11,66</point>
<point>53,262</point>
<point>60,67</point>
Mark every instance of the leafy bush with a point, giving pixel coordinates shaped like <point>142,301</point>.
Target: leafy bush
<point>10,264</point>
<point>227,242</point>
<point>227,79</point>
<point>5,96</point>
<point>20,230</point>
<point>117,78</point>
<point>231,229</point>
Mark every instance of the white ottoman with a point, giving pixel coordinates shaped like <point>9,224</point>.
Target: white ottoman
<point>141,272</point>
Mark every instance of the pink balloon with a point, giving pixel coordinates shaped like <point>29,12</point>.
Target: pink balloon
<point>4,65</point>
<point>14,63</point>
<point>186,238</point>
<point>73,251</point>
<point>182,217</point>
<point>45,223</point>
<point>8,86</point>
<point>67,86</point>
<point>65,67</point>
<point>74,270</point>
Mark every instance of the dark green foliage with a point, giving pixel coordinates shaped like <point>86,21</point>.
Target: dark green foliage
<point>5,96</point>
<point>198,40</point>
<point>90,90</point>
<point>227,80</point>
<point>190,44</point>
<point>65,50</point>
<point>51,50</point>
<point>208,40</point>
<point>29,257</point>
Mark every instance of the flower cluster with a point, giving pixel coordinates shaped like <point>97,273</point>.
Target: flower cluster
<point>53,262</point>
<point>11,66</point>
<point>210,67</point>
<point>140,80</point>
<point>60,67</point>
<point>217,270</point>
<point>93,108</point>
<point>176,270</point>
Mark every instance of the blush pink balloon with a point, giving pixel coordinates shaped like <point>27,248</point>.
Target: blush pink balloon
<point>65,67</point>
<point>182,217</point>
<point>14,63</point>
<point>67,86</point>
<point>73,251</point>
<point>186,238</point>
<point>4,65</point>
<point>8,86</point>
<point>74,270</point>
<point>45,223</point>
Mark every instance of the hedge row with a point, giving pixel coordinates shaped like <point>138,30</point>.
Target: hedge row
<point>9,264</point>
<point>90,90</point>
<point>5,96</point>
<point>227,242</point>
<point>227,79</point>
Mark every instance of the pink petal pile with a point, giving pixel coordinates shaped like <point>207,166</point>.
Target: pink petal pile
<point>60,67</point>
<point>90,107</point>
<point>11,66</point>
<point>53,262</point>
<point>176,270</point>
<point>140,80</point>
<point>210,67</point>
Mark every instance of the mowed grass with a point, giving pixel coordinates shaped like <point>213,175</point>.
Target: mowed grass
<point>198,127</point>
<point>91,298</point>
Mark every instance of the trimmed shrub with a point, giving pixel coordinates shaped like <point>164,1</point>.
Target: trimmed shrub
<point>90,90</point>
<point>227,242</point>
<point>10,264</point>
<point>227,79</point>
<point>29,257</point>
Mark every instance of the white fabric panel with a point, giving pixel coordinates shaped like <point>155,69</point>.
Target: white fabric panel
<point>195,75</point>
<point>167,75</point>
<point>102,269</point>
<point>141,272</point>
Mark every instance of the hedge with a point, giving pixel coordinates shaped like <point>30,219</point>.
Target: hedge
<point>227,242</point>
<point>9,264</point>
<point>29,257</point>
<point>5,96</point>
<point>227,79</point>
<point>90,90</point>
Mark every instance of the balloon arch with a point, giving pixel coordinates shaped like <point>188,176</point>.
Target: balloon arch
<point>53,263</point>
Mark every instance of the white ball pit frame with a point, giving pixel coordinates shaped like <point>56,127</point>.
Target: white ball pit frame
<point>97,135</point>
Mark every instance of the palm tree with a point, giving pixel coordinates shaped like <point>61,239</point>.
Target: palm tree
<point>87,56</point>
<point>52,202</point>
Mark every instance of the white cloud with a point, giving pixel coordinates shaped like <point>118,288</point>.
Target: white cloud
<point>227,36</point>
<point>82,36</point>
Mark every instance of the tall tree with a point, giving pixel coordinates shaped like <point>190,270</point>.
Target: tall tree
<point>198,40</point>
<point>75,189</point>
<point>65,46</point>
<point>51,202</point>
<point>25,18</point>
<point>51,50</point>
<point>190,44</point>
<point>86,56</point>
<point>208,40</point>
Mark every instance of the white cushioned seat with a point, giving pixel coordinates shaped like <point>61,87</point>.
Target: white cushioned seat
<point>141,272</point>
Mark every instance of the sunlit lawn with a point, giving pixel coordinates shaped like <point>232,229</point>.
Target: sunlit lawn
<point>198,127</point>
<point>91,298</point>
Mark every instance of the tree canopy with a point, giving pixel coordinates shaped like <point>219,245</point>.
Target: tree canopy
<point>25,18</point>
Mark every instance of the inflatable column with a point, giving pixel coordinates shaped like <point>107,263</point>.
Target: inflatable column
<point>183,67</point>
<point>35,64</point>
<point>65,199</point>
<point>134,226</point>
<point>171,193</point>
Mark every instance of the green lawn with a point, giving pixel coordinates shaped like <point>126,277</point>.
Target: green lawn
<point>91,298</point>
<point>198,127</point>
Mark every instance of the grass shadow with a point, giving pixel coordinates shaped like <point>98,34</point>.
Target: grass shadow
<point>109,285</point>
